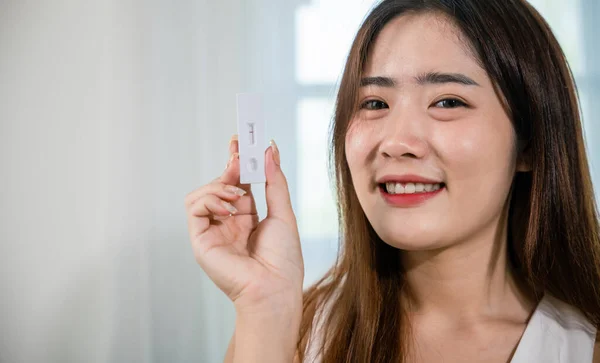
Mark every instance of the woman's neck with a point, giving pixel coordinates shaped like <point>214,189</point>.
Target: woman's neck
<point>470,280</point>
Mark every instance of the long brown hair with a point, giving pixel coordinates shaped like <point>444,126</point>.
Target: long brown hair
<point>553,243</point>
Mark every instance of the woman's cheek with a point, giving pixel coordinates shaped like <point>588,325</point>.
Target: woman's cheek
<point>478,158</point>
<point>358,139</point>
<point>466,146</point>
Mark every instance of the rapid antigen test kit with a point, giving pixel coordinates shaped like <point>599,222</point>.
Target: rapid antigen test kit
<point>251,138</point>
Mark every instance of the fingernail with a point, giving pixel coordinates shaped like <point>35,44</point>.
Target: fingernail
<point>275,152</point>
<point>235,190</point>
<point>233,138</point>
<point>231,209</point>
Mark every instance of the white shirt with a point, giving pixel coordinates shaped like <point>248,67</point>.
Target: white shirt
<point>556,333</point>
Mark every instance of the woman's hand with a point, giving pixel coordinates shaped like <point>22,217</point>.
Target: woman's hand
<point>257,264</point>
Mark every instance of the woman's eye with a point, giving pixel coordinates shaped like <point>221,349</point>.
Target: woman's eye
<point>374,105</point>
<point>450,103</point>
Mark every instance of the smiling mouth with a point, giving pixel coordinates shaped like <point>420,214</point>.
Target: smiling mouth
<point>410,188</point>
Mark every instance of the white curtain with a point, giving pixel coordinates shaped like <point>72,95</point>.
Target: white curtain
<point>112,111</point>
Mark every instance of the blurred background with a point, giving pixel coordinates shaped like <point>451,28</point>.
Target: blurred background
<point>112,111</point>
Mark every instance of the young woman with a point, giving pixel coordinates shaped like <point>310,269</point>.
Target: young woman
<point>469,231</point>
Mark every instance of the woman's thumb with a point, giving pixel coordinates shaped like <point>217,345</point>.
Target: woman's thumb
<point>276,189</point>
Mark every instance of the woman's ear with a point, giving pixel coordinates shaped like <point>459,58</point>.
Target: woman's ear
<point>524,164</point>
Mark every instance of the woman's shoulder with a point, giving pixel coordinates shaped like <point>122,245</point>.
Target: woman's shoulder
<point>315,340</point>
<point>579,332</point>
<point>314,347</point>
<point>557,332</point>
<point>565,317</point>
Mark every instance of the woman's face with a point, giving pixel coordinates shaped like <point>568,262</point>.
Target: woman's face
<point>431,152</point>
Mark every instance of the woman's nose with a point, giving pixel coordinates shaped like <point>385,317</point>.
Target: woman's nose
<point>405,134</point>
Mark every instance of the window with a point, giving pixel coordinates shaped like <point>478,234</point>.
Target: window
<point>324,32</point>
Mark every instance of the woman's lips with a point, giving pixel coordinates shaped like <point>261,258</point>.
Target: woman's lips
<point>409,199</point>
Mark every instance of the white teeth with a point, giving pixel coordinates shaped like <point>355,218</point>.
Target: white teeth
<point>411,188</point>
<point>419,187</point>
<point>399,189</point>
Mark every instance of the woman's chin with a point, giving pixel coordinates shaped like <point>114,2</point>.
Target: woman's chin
<point>414,241</point>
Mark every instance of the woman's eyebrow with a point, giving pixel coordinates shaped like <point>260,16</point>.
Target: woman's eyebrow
<point>385,82</point>
<point>438,78</point>
<point>422,79</point>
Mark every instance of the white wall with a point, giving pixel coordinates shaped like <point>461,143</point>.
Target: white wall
<point>110,113</point>
<point>75,218</point>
